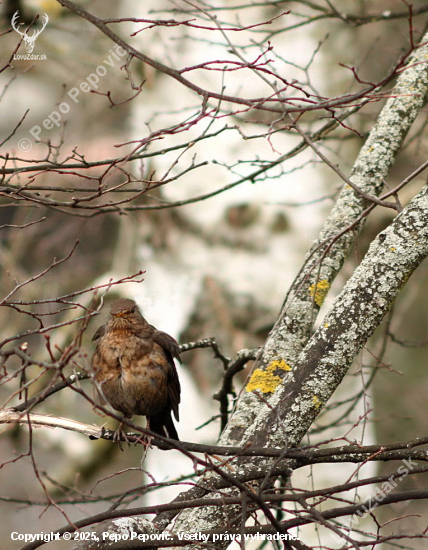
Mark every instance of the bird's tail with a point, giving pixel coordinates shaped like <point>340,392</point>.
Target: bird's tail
<point>162,424</point>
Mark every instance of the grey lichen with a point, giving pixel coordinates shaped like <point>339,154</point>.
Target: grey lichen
<point>319,362</point>
<point>370,170</point>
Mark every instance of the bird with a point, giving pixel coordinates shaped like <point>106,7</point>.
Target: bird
<point>134,371</point>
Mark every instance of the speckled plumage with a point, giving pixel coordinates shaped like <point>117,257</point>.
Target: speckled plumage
<point>134,368</point>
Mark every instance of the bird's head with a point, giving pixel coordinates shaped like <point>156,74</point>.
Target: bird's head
<point>123,308</point>
<point>125,315</point>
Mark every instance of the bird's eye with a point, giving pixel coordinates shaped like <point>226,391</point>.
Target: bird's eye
<point>133,310</point>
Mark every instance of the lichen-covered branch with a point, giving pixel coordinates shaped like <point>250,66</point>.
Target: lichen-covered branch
<point>356,313</point>
<point>296,374</point>
<point>292,382</point>
<point>369,172</point>
<point>292,330</point>
<point>280,417</point>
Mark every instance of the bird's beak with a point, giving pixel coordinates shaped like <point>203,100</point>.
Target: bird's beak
<point>122,313</point>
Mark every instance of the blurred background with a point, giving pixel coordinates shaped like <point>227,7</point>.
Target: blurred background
<point>218,266</point>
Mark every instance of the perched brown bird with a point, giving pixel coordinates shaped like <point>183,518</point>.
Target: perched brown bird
<point>134,368</point>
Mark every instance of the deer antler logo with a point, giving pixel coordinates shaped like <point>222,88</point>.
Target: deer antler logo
<point>29,41</point>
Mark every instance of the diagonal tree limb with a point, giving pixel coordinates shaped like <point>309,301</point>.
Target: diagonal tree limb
<point>293,327</point>
<point>297,374</point>
<point>355,314</point>
<point>292,382</point>
<point>369,172</point>
<point>285,414</point>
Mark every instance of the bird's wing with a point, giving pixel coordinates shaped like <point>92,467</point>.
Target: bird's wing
<point>174,389</point>
<point>100,332</point>
<point>172,349</point>
<point>167,342</point>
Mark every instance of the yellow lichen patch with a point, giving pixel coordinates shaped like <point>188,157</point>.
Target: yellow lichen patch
<point>317,402</point>
<point>392,248</point>
<point>265,380</point>
<point>319,291</point>
<point>278,364</point>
